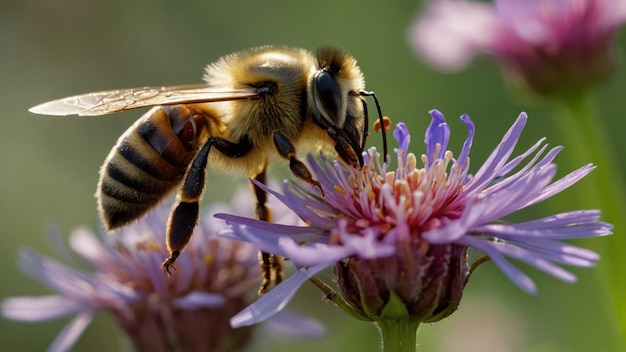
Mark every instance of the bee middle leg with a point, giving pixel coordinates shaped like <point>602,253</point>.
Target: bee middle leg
<point>185,214</point>
<point>271,264</point>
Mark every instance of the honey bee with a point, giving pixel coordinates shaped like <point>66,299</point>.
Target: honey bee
<point>256,106</point>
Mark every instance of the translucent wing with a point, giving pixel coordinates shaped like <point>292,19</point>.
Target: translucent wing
<point>107,102</point>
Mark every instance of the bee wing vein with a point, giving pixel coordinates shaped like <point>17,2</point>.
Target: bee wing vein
<point>107,102</point>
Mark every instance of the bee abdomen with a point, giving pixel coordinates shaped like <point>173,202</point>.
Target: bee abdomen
<point>149,160</point>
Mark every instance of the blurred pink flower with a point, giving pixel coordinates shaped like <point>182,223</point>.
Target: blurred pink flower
<point>189,311</point>
<point>553,45</point>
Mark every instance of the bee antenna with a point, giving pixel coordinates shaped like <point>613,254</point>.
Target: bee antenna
<point>364,93</point>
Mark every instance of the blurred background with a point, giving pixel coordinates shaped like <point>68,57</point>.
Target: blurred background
<point>50,165</point>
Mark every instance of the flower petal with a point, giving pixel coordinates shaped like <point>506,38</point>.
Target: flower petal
<point>489,248</point>
<point>512,231</point>
<point>403,137</point>
<point>563,183</point>
<point>70,334</point>
<point>452,32</point>
<point>274,301</point>
<point>199,299</point>
<point>565,219</point>
<point>437,137</point>
<point>88,246</point>
<point>467,145</point>
<point>39,308</point>
<point>498,158</point>
<point>265,234</point>
<point>291,325</point>
<point>368,246</point>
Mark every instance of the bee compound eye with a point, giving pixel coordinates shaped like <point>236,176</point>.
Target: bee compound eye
<point>328,98</point>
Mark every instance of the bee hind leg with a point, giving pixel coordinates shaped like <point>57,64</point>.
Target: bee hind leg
<point>185,213</point>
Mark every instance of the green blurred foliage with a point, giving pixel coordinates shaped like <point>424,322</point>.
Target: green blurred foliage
<point>49,165</point>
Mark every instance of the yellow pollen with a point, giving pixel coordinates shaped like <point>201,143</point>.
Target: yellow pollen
<point>151,246</point>
<point>208,259</point>
<point>339,189</point>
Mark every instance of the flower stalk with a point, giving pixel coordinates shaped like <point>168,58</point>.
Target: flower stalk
<point>398,335</point>
<point>587,135</point>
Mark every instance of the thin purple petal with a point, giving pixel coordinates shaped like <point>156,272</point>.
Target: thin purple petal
<point>514,274</point>
<point>572,231</point>
<point>437,136</point>
<point>467,145</point>
<point>199,299</point>
<point>314,254</point>
<point>299,233</point>
<point>274,301</point>
<point>403,137</point>
<point>89,247</point>
<point>368,246</point>
<point>536,260</point>
<point>563,183</point>
<point>70,334</point>
<point>490,169</point>
<point>565,219</point>
<point>39,308</point>
<point>291,325</point>
<point>555,251</point>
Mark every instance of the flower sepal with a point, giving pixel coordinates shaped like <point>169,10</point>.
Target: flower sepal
<point>395,308</point>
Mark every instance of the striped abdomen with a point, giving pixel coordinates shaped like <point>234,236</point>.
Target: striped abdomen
<point>149,160</point>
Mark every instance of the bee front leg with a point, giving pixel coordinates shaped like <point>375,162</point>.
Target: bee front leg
<point>350,153</point>
<point>288,151</point>
<point>185,214</point>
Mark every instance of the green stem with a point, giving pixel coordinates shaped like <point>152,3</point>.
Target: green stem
<point>586,140</point>
<point>398,335</point>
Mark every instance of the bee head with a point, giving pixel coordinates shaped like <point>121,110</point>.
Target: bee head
<point>335,102</point>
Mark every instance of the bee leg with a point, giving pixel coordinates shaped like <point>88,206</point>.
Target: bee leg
<point>271,265</point>
<point>185,214</point>
<point>288,151</point>
<point>350,153</point>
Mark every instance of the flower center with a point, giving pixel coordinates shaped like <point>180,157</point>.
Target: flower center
<point>412,198</point>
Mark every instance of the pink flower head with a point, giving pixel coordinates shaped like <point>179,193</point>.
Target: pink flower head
<point>398,238</point>
<point>189,311</point>
<point>553,45</point>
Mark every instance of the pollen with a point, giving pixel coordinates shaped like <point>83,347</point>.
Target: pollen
<point>148,246</point>
<point>386,124</point>
<point>339,189</point>
<point>208,258</point>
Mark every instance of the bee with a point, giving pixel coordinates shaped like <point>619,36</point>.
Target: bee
<point>256,106</point>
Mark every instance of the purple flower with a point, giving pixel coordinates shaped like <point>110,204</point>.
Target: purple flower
<point>554,46</point>
<point>189,311</point>
<point>398,239</point>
